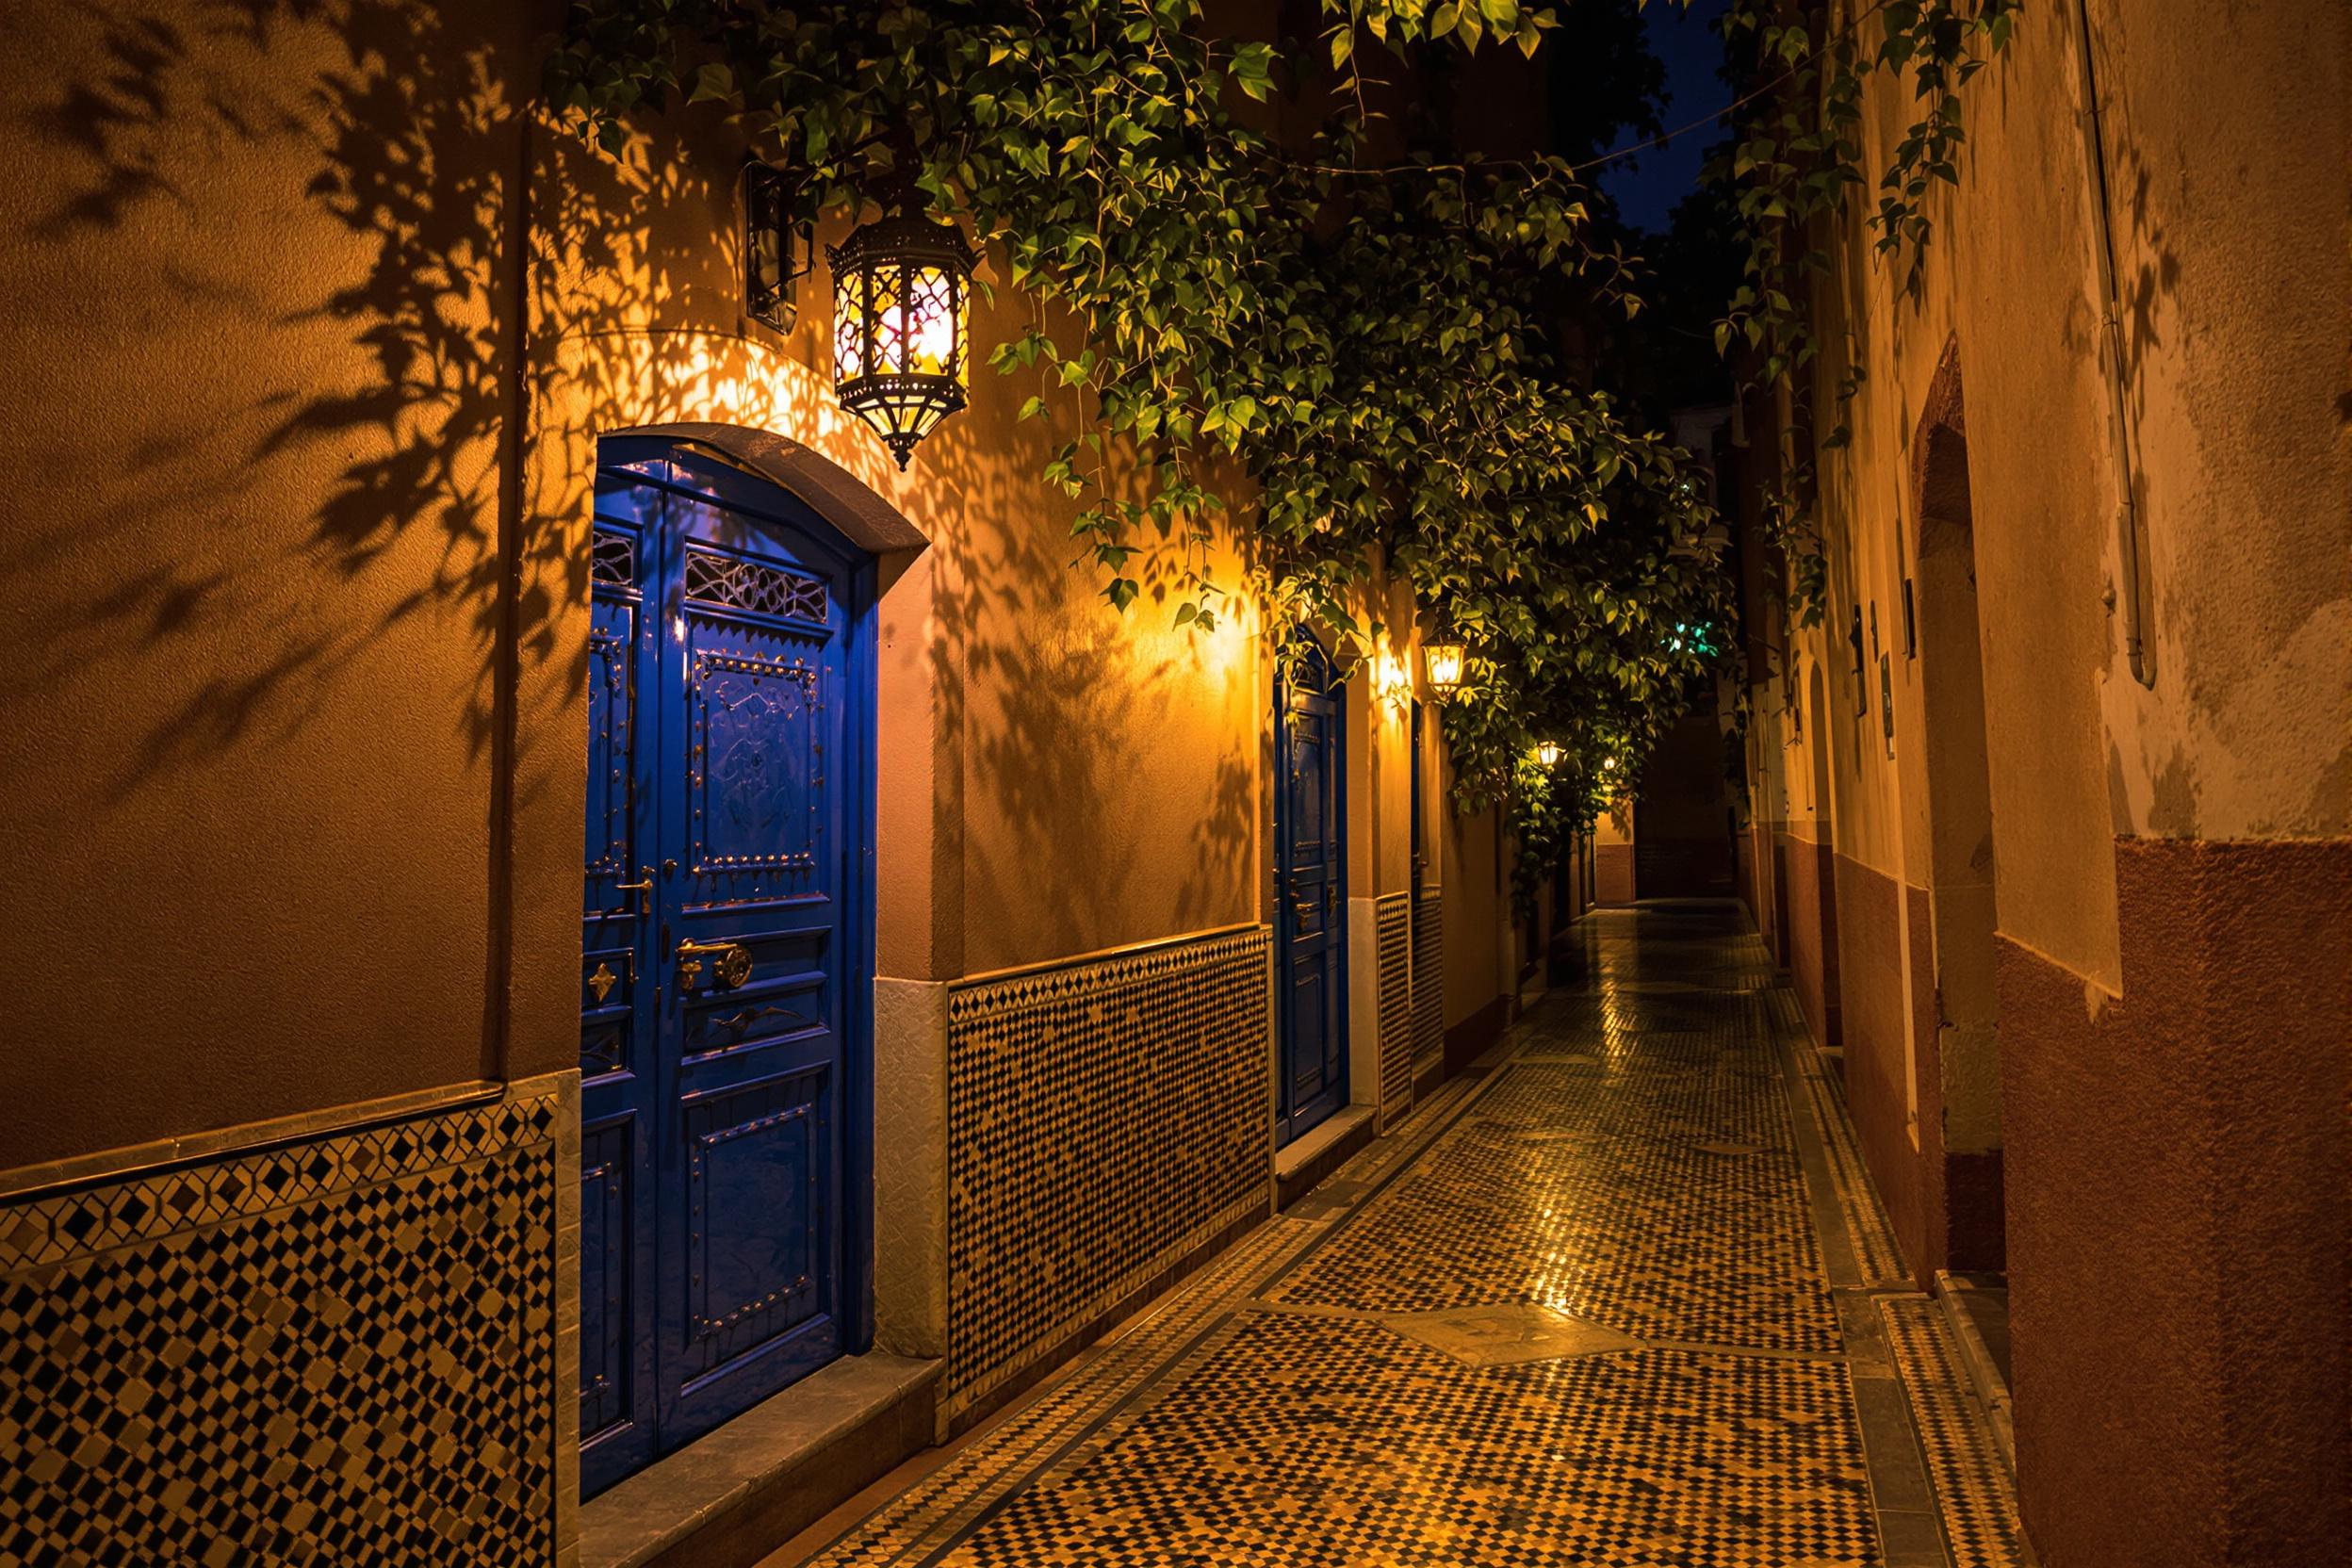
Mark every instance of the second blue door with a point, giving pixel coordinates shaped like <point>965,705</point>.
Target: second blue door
<point>1311,894</point>
<point>721,958</point>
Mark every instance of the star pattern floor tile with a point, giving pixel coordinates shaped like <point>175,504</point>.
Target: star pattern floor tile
<point>1574,1313</point>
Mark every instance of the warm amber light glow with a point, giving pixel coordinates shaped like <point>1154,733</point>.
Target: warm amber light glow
<point>900,292</point>
<point>1441,662</point>
<point>1547,752</point>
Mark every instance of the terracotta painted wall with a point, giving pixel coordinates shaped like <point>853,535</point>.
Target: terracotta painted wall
<point>2179,1216</point>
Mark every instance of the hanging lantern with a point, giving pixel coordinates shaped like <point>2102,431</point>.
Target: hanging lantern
<point>1442,662</point>
<point>900,287</point>
<point>1547,752</point>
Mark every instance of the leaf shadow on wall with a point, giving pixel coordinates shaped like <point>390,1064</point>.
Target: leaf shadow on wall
<point>1107,795</point>
<point>309,213</point>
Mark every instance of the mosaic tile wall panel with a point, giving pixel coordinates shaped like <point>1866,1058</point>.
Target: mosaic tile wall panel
<point>1428,980</point>
<point>339,1349</point>
<point>1104,1120</point>
<point>1392,923</point>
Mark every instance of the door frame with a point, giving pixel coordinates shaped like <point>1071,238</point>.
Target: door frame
<point>710,475</point>
<point>1339,929</point>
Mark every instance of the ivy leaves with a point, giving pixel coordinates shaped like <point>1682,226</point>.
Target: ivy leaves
<point>1794,161</point>
<point>1370,347</point>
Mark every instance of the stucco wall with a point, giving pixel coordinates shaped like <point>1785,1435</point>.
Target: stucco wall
<point>313,331</point>
<point>1476,910</point>
<point>257,836</point>
<point>2124,1174</point>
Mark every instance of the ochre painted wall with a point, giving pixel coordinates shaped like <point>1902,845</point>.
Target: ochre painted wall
<point>313,330</point>
<point>262,353</point>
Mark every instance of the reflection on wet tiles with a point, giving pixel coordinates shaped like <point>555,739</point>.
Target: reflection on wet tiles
<point>1573,1314</point>
<point>1312,1440</point>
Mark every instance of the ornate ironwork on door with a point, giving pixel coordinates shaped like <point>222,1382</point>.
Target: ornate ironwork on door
<point>722,963</point>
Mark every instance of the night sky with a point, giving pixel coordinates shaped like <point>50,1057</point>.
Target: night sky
<point>1647,185</point>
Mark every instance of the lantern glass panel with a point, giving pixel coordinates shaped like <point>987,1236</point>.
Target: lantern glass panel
<point>849,325</point>
<point>932,327</point>
<point>1443,662</point>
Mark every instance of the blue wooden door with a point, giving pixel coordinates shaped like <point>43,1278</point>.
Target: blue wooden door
<point>1310,896</point>
<point>721,1183</point>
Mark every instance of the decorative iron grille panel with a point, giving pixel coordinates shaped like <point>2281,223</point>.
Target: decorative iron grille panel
<point>613,558</point>
<point>753,585</point>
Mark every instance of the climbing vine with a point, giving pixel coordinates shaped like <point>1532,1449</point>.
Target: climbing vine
<point>1794,162</point>
<point>1363,340</point>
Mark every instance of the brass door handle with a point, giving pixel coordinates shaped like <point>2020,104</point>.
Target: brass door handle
<point>732,969</point>
<point>643,888</point>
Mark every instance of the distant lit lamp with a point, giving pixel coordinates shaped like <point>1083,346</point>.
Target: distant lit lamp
<point>1608,764</point>
<point>900,287</point>
<point>1547,752</point>
<point>1442,663</point>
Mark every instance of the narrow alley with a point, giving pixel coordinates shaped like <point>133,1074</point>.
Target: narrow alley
<point>1621,1297</point>
<point>1325,784</point>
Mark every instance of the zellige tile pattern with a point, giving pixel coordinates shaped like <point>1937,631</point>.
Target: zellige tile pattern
<point>1312,1440</point>
<point>1391,924</point>
<point>1384,1378</point>
<point>1428,980</point>
<point>1973,1487</point>
<point>1104,1120</point>
<point>342,1350</point>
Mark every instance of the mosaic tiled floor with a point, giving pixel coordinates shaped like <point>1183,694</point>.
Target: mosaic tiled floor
<point>1584,1310</point>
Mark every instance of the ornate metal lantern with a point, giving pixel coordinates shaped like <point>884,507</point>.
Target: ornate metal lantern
<point>1547,752</point>
<point>900,287</point>
<point>1442,662</point>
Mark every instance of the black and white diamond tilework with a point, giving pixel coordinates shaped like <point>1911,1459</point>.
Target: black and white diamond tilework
<point>1104,1120</point>
<point>339,1351</point>
<point>1585,1188</point>
<point>1428,980</point>
<point>1974,1491</point>
<point>1322,1441</point>
<point>1393,927</point>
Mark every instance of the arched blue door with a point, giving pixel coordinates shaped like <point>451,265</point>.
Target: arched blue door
<point>724,951</point>
<point>1311,894</point>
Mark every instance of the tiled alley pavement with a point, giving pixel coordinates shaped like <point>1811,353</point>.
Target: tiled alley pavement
<point>1624,1300</point>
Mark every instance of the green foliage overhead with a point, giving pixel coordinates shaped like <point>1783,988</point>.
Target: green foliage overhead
<point>1795,163</point>
<point>1369,341</point>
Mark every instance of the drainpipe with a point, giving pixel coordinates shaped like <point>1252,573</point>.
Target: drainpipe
<point>2127,508</point>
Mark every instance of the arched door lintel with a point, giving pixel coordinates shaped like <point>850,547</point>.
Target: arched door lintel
<point>863,515</point>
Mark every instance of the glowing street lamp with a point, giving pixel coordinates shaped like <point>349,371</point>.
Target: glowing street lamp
<point>901,286</point>
<point>1442,662</point>
<point>1547,752</point>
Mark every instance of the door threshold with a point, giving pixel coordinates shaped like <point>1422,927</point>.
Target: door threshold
<point>733,1495</point>
<point>1305,1160</point>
